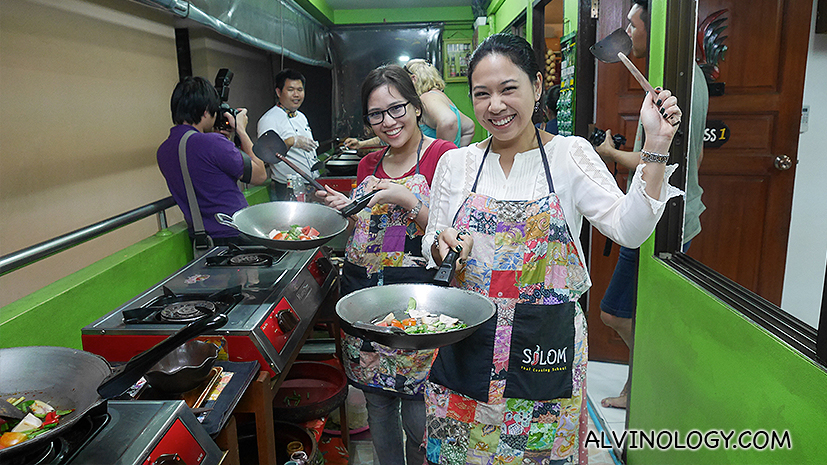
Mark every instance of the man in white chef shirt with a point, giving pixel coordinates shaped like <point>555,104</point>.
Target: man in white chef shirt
<point>292,126</point>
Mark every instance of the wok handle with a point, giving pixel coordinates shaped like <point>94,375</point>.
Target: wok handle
<point>380,329</point>
<point>125,377</point>
<point>301,172</point>
<point>226,220</point>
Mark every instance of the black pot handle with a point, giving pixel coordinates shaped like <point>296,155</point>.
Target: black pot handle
<point>123,378</point>
<point>445,273</point>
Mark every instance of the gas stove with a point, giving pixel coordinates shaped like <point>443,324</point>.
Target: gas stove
<point>127,433</point>
<point>271,298</point>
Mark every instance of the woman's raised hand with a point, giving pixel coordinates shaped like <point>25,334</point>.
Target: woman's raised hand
<point>660,114</point>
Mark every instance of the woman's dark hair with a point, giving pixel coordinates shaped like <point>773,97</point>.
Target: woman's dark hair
<point>193,95</point>
<point>517,49</point>
<point>392,75</point>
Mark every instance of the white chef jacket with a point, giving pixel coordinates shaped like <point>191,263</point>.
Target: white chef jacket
<point>277,120</point>
<point>581,181</point>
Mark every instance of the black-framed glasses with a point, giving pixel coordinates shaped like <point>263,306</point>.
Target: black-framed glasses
<point>397,111</point>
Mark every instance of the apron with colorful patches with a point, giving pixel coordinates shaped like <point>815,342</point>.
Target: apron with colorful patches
<point>386,248</point>
<point>513,392</point>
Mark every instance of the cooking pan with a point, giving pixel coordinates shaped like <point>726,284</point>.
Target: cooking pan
<point>73,379</point>
<point>358,309</point>
<point>256,222</point>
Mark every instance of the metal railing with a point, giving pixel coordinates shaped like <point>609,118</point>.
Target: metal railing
<point>29,255</point>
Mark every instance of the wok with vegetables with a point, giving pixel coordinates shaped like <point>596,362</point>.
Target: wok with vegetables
<point>263,222</point>
<point>72,383</point>
<point>430,316</point>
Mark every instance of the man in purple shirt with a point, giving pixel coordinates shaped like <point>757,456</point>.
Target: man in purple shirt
<point>213,161</point>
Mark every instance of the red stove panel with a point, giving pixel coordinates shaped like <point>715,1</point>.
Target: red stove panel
<point>177,446</point>
<point>275,329</point>
<point>270,308</point>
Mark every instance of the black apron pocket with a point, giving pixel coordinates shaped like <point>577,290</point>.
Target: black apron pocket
<point>411,274</point>
<point>542,349</point>
<point>466,366</point>
<point>354,278</point>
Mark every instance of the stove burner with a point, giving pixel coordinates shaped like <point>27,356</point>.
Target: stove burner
<point>251,259</point>
<point>187,311</point>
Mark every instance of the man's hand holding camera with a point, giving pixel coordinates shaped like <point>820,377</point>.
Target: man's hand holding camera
<point>237,123</point>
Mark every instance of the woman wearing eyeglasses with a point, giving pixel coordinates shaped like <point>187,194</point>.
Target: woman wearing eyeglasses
<point>385,248</point>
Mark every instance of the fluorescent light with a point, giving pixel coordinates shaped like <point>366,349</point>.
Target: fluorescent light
<point>404,59</point>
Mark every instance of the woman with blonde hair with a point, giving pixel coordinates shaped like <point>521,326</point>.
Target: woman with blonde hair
<point>440,117</point>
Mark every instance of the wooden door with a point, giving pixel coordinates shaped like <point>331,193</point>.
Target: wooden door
<point>748,199</point>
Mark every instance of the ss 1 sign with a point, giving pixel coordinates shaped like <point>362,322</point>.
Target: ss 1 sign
<point>716,134</point>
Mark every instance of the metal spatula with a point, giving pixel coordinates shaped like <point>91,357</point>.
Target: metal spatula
<point>271,149</point>
<point>7,410</point>
<point>613,48</point>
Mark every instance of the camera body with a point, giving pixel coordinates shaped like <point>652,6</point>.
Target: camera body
<point>598,136</point>
<point>222,86</point>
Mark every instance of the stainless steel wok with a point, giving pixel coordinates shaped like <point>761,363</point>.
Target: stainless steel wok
<point>256,222</point>
<point>358,309</point>
<point>73,379</point>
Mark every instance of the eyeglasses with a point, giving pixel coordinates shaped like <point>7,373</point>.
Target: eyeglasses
<point>397,111</point>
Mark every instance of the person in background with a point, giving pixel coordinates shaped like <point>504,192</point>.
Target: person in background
<point>620,300</point>
<point>214,163</point>
<point>292,126</point>
<point>514,390</point>
<point>385,247</point>
<point>550,110</point>
<point>440,119</point>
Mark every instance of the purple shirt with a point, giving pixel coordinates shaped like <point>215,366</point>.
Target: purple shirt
<point>215,164</point>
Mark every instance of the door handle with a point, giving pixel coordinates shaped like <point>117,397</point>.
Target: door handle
<point>782,163</point>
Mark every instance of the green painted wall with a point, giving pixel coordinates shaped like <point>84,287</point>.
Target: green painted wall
<point>699,365</point>
<point>403,15</point>
<point>55,314</point>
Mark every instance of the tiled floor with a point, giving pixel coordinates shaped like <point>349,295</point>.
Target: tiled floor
<point>603,380</point>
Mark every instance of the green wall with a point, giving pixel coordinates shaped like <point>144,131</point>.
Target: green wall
<point>55,314</point>
<point>700,365</point>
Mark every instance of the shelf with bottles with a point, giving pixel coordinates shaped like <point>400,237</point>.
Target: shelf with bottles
<point>455,59</point>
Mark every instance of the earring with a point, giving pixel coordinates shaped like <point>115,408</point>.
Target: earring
<point>536,106</point>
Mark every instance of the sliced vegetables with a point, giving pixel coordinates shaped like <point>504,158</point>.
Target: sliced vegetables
<point>295,233</point>
<point>40,417</point>
<point>421,321</point>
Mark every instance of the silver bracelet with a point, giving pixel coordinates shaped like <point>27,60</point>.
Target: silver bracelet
<point>653,157</point>
<point>413,212</point>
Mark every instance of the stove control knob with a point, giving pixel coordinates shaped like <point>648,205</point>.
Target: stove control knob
<point>287,320</point>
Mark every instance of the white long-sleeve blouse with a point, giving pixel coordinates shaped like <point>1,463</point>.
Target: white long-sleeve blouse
<point>581,181</point>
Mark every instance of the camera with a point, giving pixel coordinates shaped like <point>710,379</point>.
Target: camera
<point>598,136</point>
<point>222,85</point>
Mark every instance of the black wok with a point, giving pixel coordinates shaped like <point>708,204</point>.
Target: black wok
<point>73,379</point>
<point>358,309</point>
<point>256,222</point>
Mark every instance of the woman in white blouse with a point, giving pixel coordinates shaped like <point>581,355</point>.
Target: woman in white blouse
<point>512,206</point>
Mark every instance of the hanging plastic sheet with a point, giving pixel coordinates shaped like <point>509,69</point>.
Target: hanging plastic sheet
<point>279,26</point>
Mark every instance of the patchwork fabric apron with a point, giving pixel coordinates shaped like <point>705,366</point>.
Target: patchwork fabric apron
<point>386,248</point>
<point>514,391</point>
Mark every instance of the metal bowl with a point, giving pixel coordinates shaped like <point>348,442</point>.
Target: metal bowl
<point>319,387</point>
<point>256,222</point>
<point>184,368</point>
<point>358,309</point>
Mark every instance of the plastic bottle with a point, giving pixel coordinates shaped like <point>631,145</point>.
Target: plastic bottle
<point>291,193</point>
